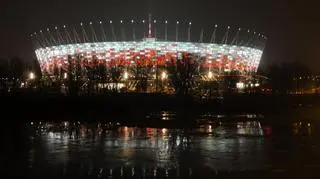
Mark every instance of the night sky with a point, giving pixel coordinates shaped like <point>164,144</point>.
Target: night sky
<point>292,26</point>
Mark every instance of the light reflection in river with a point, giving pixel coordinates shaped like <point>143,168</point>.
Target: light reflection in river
<point>236,144</point>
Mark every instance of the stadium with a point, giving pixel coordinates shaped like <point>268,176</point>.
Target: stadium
<point>148,57</point>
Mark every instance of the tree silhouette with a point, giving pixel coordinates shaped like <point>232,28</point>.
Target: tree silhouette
<point>182,73</point>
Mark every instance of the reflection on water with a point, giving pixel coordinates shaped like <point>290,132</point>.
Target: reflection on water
<point>303,128</point>
<point>206,145</point>
<point>109,149</point>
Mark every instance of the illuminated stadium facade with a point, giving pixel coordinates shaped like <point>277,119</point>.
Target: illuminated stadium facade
<point>216,60</point>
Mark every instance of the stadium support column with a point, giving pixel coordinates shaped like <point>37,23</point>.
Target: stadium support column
<point>51,38</point>
<point>94,36</point>
<point>213,36</point>
<point>69,40</point>
<point>177,31</point>
<point>235,39</point>
<point>60,40</point>
<point>103,34</point>
<point>189,32</point>
<point>114,38</point>
<point>144,28</point>
<point>225,39</point>
<point>133,31</point>
<point>166,31</point>
<point>150,27</point>
<point>84,34</point>
<point>45,41</point>
<point>155,29</point>
<point>123,35</point>
<point>76,36</point>
<point>35,41</point>
<point>201,36</point>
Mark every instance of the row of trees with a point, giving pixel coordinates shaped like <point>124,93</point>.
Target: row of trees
<point>289,77</point>
<point>15,70</point>
<point>79,77</point>
<point>184,76</point>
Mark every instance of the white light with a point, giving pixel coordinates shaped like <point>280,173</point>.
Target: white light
<point>164,130</point>
<point>228,27</point>
<point>143,21</point>
<point>65,124</point>
<point>125,75</point>
<point>81,23</point>
<point>110,22</point>
<point>155,21</point>
<point>240,85</point>
<point>216,25</point>
<point>31,76</point>
<point>121,21</point>
<point>40,31</point>
<point>65,75</point>
<point>100,22</point>
<point>189,23</point>
<point>257,85</point>
<point>177,22</point>
<point>48,29</point>
<point>31,123</point>
<point>210,74</point>
<point>64,26</point>
<point>166,22</point>
<point>90,23</point>
<point>163,75</point>
<point>131,21</point>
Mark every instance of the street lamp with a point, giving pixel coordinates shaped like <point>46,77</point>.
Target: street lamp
<point>210,75</point>
<point>125,75</point>
<point>163,75</point>
<point>31,76</point>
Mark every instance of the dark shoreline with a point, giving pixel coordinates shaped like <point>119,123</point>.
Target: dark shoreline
<point>42,106</point>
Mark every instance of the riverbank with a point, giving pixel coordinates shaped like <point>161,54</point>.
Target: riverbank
<point>137,106</point>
